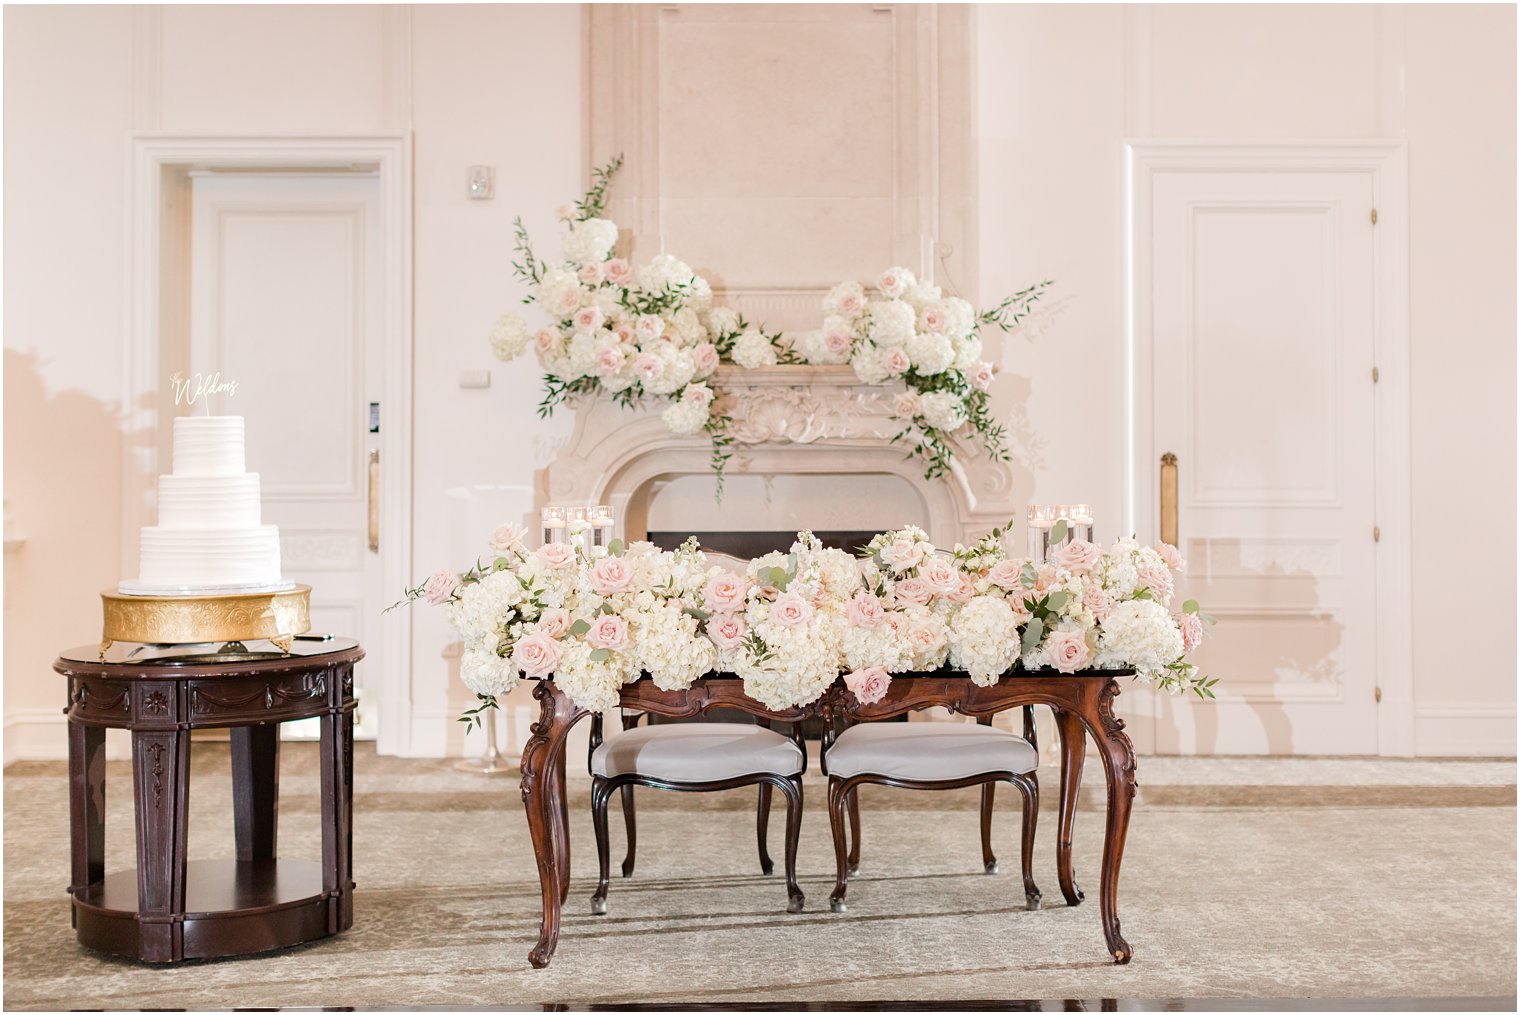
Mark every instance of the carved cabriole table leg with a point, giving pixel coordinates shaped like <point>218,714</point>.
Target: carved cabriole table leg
<point>542,787</point>
<point>1118,755</point>
<point>1073,754</point>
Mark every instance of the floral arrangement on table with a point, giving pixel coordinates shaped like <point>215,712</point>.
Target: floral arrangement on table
<point>791,623</point>
<point>654,330</point>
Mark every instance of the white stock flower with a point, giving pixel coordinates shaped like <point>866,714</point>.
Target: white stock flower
<point>510,337</point>
<point>754,349</point>
<point>590,241</point>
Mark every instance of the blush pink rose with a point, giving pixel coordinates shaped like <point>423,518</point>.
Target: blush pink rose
<point>609,360</point>
<point>1097,602</point>
<point>896,362</point>
<point>912,592</point>
<point>852,304</point>
<point>1159,581</point>
<point>611,575</point>
<point>868,685</point>
<point>507,538</point>
<point>547,342</point>
<point>587,320</point>
<point>440,586</point>
<point>791,610</point>
<point>624,332</point>
<point>906,405</point>
<point>901,555</point>
<point>697,394</point>
<point>536,654</point>
<point>925,639</point>
<point>1077,555</point>
<point>591,274</point>
<point>963,592</point>
<point>619,271</point>
<point>648,366</point>
<point>891,284</point>
<point>940,575</point>
<point>609,631</point>
<point>723,592</point>
<point>1044,577</point>
<point>1192,631</point>
<point>649,327</point>
<point>863,610</point>
<point>838,342</point>
<point>1007,575</point>
<point>556,555</point>
<point>898,622</point>
<point>1068,650</point>
<point>565,303</point>
<point>726,630</point>
<point>1171,556</point>
<point>932,319</point>
<point>982,375</point>
<point>554,622</point>
<point>704,359</point>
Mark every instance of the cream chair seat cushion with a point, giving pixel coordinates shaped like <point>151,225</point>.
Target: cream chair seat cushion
<point>928,751</point>
<point>697,752</point>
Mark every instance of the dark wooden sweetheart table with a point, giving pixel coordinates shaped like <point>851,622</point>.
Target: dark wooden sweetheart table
<point>1082,702</point>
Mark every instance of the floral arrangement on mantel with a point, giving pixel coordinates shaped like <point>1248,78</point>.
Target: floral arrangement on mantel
<point>791,623</point>
<point>655,331</point>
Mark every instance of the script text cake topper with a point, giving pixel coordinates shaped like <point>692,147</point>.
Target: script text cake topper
<point>200,387</point>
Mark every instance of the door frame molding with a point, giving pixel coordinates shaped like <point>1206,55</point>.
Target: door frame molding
<point>157,319</point>
<point>1386,161</point>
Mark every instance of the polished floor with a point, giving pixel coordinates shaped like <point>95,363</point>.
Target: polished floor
<point>1244,880</point>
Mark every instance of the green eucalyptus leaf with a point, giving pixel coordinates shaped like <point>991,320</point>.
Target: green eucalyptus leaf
<point>692,611</point>
<point>1191,606</point>
<point>616,548</point>
<point>1027,575</point>
<point>1032,634</point>
<point>1058,531</point>
<point>1055,600</point>
<point>580,627</point>
<point>600,655</point>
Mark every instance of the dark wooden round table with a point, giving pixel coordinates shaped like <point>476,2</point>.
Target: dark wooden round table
<point>168,908</point>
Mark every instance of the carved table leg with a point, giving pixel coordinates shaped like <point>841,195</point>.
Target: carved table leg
<point>562,823</point>
<point>161,783</point>
<point>1119,769</point>
<point>337,812</point>
<point>87,805</point>
<point>1073,746</point>
<point>256,790</point>
<point>542,786</point>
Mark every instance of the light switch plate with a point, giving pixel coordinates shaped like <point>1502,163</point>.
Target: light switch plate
<point>474,378</point>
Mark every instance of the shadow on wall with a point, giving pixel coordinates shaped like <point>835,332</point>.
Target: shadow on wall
<point>64,455</point>
<point>1292,641</point>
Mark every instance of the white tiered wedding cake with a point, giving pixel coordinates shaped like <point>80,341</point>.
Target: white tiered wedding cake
<point>209,537</point>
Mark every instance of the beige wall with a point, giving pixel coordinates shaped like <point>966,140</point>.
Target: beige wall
<point>1059,89</point>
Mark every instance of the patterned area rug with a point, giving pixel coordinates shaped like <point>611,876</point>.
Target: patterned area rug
<point>1389,879</point>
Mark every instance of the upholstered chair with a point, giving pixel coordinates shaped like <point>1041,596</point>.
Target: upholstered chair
<point>697,757</point>
<point>929,756</point>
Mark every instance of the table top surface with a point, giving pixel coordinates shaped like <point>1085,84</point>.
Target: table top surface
<point>169,661</point>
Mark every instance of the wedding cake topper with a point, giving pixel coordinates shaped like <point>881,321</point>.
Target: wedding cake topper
<point>655,330</point>
<point>199,387</point>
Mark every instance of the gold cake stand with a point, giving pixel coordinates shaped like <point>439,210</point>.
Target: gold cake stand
<point>190,620</point>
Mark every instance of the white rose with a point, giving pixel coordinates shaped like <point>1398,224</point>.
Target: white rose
<point>894,282</point>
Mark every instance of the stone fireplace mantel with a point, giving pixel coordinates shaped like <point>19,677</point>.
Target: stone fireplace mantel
<point>788,420</point>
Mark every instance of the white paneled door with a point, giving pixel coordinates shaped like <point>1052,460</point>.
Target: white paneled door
<point>1262,333</point>
<point>286,297</point>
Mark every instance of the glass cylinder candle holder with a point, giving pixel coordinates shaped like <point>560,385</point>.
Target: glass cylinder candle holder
<point>577,525</point>
<point>553,518</point>
<point>1041,518</point>
<point>1080,518</point>
<point>601,525</point>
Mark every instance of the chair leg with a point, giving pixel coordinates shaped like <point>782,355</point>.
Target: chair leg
<point>628,825</point>
<point>792,789</point>
<point>989,859</point>
<point>836,825</point>
<point>599,796</point>
<point>1030,787</point>
<point>854,857</point>
<point>762,824</point>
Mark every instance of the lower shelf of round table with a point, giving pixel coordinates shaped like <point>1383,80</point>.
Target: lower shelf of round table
<point>232,907</point>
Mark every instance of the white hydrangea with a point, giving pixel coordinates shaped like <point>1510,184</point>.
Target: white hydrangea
<point>722,321</point>
<point>754,349</point>
<point>984,639</point>
<point>942,410</point>
<point>510,337</point>
<point>968,353</point>
<point>960,316</point>
<point>669,646</point>
<point>678,371</point>
<point>929,353</point>
<point>800,666</point>
<point>592,685</point>
<point>688,325</point>
<point>664,271</point>
<point>1139,633</point>
<point>921,294</point>
<point>580,357</point>
<point>864,647</point>
<point>868,365</point>
<point>591,241</point>
<point>685,417</point>
<point>485,672</point>
<point>484,608</point>
<point>892,324</point>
